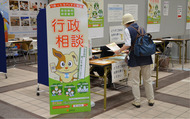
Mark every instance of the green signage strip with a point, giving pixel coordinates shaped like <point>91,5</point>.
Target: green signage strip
<point>67,12</point>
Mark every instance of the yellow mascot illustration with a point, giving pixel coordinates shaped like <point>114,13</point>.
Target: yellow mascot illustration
<point>66,67</point>
<point>151,10</point>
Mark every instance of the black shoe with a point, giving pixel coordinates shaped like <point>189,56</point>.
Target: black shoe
<point>151,102</point>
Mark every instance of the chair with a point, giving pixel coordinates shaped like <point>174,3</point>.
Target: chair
<point>11,51</point>
<point>165,58</point>
<point>32,50</point>
<point>11,36</point>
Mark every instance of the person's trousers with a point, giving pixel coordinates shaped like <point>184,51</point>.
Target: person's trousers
<point>134,81</point>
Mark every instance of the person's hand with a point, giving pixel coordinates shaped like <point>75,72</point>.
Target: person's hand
<point>117,52</point>
<point>126,51</point>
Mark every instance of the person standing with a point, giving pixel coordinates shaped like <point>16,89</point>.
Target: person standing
<point>136,63</point>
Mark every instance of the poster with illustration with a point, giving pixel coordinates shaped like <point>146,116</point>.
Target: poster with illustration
<point>14,5</point>
<point>24,6</point>
<point>95,18</point>
<point>188,15</point>
<point>68,54</point>
<point>15,21</point>
<point>33,5</point>
<point>154,16</point>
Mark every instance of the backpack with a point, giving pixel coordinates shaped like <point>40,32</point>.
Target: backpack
<point>143,45</point>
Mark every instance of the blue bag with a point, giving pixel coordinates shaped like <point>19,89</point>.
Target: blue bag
<point>143,45</point>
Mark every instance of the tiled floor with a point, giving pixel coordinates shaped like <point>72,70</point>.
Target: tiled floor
<point>16,75</point>
<point>180,89</point>
<point>159,110</point>
<point>26,97</point>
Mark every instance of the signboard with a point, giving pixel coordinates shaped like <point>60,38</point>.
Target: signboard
<point>68,57</point>
<point>188,15</point>
<point>119,71</point>
<point>154,16</point>
<point>116,34</point>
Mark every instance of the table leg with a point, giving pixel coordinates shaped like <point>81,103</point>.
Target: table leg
<point>105,83</point>
<point>180,53</point>
<point>106,69</point>
<point>157,65</point>
<point>186,51</point>
<point>164,46</point>
<point>140,77</point>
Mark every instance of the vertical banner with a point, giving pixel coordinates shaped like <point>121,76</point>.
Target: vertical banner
<point>154,16</point>
<point>68,57</point>
<point>95,18</point>
<point>188,15</point>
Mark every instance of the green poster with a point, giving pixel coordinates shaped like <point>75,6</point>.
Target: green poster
<point>188,15</point>
<point>154,16</point>
<point>188,12</point>
<point>154,12</point>
<point>95,13</point>
<point>68,54</point>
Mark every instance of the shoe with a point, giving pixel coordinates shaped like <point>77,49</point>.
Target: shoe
<point>136,104</point>
<point>151,102</point>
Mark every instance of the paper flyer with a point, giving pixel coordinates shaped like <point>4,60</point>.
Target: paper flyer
<point>166,8</point>
<point>179,11</point>
<point>115,12</point>
<point>132,9</point>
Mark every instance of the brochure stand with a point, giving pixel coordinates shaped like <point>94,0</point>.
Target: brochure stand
<point>42,50</point>
<point>3,64</point>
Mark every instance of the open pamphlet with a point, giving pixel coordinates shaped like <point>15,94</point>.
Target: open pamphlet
<point>121,57</point>
<point>113,46</point>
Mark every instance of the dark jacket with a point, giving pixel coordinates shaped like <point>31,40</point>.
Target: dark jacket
<point>133,59</point>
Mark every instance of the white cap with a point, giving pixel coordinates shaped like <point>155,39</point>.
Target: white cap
<point>127,18</point>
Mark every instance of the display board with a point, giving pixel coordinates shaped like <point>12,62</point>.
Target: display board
<point>170,25</point>
<point>20,16</point>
